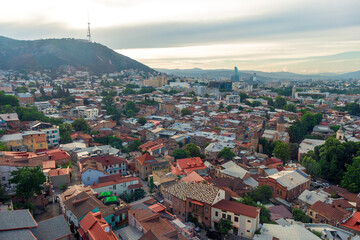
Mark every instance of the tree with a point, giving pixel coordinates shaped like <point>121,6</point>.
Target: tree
<point>280,102</point>
<point>3,147</point>
<point>179,154</point>
<point>243,96</point>
<point>192,150</point>
<point>290,108</point>
<point>299,215</point>
<point>28,180</point>
<point>3,196</point>
<point>221,105</point>
<point>228,107</point>
<point>8,100</point>
<point>311,165</point>
<point>224,226</point>
<point>353,109</point>
<point>130,105</point>
<point>185,111</point>
<point>262,194</point>
<point>142,121</point>
<point>226,153</point>
<point>65,130</point>
<point>282,151</point>
<point>351,179</point>
<point>206,95</point>
<point>80,125</point>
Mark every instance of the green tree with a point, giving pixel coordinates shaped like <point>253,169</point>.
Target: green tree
<point>224,226</point>
<point>332,155</point>
<point>282,151</point>
<point>3,195</point>
<point>130,105</point>
<point>21,89</point>
<point>80,125</point>
<point>185,111</point>
<point>228,107</point>
<point>28,180</point>
<point>179,154</point>
<point>134,146</point>
<point>206,95</point>
<point>243,96</point>
<point>353,109</point>
<point>311,165</point>
<point>3,147</point>
<point>142,121</point>
<point>221,105</point>
<point>8,100</point>
<point>65,131</point>
<point>351,179</point>
<point>290,108</point>
<point>262,194</point>
<point>192,150</point>
<point>226,153</point>
<point>299,215</point>
<point>280,102</point>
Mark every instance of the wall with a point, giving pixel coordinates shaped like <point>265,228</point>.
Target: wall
<point>90,176</point>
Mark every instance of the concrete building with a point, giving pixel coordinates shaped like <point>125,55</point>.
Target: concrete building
<point>117,184</point>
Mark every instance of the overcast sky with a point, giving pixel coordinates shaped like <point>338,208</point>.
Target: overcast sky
<point>303,36</point>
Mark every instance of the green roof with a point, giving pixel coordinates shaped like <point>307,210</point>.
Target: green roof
<point>110,199</point>
<point>105,194</point>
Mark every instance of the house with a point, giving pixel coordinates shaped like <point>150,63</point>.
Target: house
<point>110,164</point>
<point>327,213</point>
<point>153,148</point>
<point>52,132</point>
<point>232,170</point>
<point>60,156</point>
<point>146,164</point>
<point>279,134</point>
<point>11,119</point>
<point>91,171</point>
<point>152,225</point>
<point>117,184</point>
<point>25,98</point>
<point>20,224</point>
<point>188,165</point>
<point>352,224</point>
<point>59,177</point>
<point>193,177</point>
<point>323,131</point>
<point>287,185</point>
<point>25,141</point>
<point>192,200</point>
<point>82,137</point>
<point>93,226</point>
<point>308,145</point>
<point>78,206</point>
<point>308,198</point>
<point>279,232</point>
<point>244,218</point>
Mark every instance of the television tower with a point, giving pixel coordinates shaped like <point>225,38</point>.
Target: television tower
<point>88,35</point>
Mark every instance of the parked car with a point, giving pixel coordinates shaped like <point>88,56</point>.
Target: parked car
<point>214,235</point>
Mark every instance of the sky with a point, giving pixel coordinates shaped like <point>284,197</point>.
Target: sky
<point>301,36</point>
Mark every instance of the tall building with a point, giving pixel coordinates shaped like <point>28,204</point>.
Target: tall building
<point>236,75</point>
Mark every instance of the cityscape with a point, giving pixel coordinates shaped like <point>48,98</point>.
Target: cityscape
<point>133,123</point>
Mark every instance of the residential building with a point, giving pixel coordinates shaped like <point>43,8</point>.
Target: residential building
<point>245,219</point>
<point>294,232</point>
<point>323,131</point>
<point>25,98</point>
<point>231,170</point>
<point>186,166</point>
<point>58,155</point>
<point>327,213</point>
<point>152,225</point>
<point>279,134</point>
<point>153,148</point>
<point>27,140</point>
<point>93,226</point>
<point>192,200</point>
<point>11,119</point>
<point>352,224</point>
<point>52,132</point>
<point>110,164</point>
<point>146,164</point>
<point>117,184</point>
<point>287,185</point>
<point>91,171</point>
<point>158,81</point>
<point>308,145</point>
<point>59,177</point>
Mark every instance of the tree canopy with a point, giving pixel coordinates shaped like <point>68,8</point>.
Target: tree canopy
<point>282,151</point>
<point>28,180</point>
<point>226,153</point>
<point>185,111</point>
<point>80,125</point>
<point>224,226</point>
<point>351,179</point>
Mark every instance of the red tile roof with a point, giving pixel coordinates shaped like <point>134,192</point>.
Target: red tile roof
<point>353,223</point>
<point>59,171</point>
<point>146,159</point>
<point>157,207</point>
<point>190,163</point>
<point>105,160</point>
<point>329,211</point>
<point>192,177</point>
<point>96,227</point>
<point>57,154</point>
<point>237,208</point>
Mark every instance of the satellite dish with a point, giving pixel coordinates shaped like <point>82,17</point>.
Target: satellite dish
<point>107,229</point>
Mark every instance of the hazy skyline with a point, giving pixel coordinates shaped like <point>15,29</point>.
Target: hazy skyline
<point>298,36</point>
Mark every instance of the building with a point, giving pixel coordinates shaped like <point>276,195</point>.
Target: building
<point>352,224</point>
<point>93,226</point>
<point>59,177</point>
<point>110,164</point>
<point>153,226</point>
<point>331,214</point>
<point>245,219</point>
<point>225,86</point>
<point>279,134</point>
<point>58,155</point>
<point>280,232</point>
<point>323,131</point>
<point>158,81</point>
<point>287,185</point>
<point>186,166</point>
<point>308,145</point>
<point>82,137</point>
<point>25,98</point>
<point>11,119</point>
<point>146,164</point>
<point>154,148</point>
<point>236,75</point>
<point>91,171</point>
<point>84,112</point>
<point>52,132</point>
<point>25,141</point>
<point>189,201</point>
<point>117,184</point>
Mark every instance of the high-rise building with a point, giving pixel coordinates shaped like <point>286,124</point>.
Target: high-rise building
<point>236,75</point>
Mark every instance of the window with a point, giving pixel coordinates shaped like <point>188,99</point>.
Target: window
<point>216,213</point>
<point>223,215</point>
<point>88,178</point>
<point>248,231</point>
<point>229,217</point>
<point>189,204</point>
<point>3,179</point>
<point>236,219</point>
<point>113,218</point>
<point>206,209</point>
<point>311,213</point>
<point>249,221</point>
<point>114,187</point>
<point>280,193</point>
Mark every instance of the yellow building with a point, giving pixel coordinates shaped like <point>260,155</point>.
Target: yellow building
<point>26,141</point>
<point>158,81</point>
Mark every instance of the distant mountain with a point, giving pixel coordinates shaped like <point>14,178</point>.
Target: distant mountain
<point>262,76</point>
<point>54,53</point>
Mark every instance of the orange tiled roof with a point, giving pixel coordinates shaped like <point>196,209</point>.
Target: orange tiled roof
<point>146,159</point>
<point>95,226</point>
<point>353,222</point>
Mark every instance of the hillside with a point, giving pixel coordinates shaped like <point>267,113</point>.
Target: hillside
<point>53,53</point>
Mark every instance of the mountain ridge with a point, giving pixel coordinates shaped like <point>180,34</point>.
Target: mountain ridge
<point>53,53</point>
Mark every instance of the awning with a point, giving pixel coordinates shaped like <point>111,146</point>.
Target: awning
<point>197,203</point>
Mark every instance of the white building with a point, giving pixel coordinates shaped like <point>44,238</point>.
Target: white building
<point>116,184</point>
<point>245,219</point>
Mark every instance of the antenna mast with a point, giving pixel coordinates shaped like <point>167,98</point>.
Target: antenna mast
<point>88,35</point>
